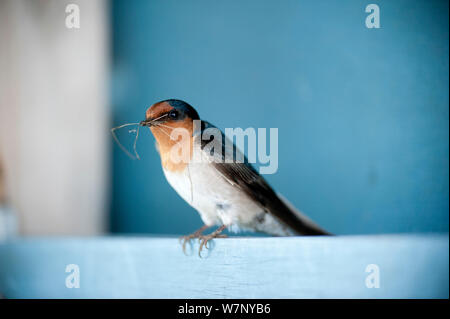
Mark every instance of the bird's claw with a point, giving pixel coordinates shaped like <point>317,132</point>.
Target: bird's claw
<point>187,239</point>
<point>204,239</point>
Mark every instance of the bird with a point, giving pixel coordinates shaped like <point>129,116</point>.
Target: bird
<point>227,193</point>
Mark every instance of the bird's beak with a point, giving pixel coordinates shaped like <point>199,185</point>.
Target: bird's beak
<point>146,123</point>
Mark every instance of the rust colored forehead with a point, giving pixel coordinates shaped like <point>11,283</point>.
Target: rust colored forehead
<point>157,110</point>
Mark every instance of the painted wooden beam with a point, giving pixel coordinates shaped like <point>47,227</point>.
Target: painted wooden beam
<point>410,266</point>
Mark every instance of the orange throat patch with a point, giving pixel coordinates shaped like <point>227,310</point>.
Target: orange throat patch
<point>175,142</point>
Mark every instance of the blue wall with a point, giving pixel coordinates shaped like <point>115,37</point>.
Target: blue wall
<point>362,113</point>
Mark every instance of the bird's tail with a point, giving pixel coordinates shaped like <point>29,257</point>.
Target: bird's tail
<point>306,225</point>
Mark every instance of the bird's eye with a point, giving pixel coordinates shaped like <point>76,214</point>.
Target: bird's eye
<point>173,114</point>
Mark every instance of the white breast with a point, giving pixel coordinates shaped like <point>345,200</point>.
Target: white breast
<point>203,189</point>
<point>220,203</point>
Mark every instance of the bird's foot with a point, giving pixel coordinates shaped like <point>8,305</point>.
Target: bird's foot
<point>204,239</point>
<point>187,239</point>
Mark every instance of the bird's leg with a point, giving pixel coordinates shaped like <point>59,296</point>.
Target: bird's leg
<point>196,234</point>
<point>205,238</point>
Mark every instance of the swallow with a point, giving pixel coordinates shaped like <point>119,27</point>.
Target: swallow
<point>226,193</point>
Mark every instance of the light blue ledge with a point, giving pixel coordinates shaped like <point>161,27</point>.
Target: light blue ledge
<point>410,266</point>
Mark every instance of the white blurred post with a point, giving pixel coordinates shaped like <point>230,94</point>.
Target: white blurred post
<point>53,115</point>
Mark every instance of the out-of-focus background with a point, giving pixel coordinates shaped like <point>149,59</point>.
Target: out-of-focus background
<point>363,114</point>
<point>55,115</point>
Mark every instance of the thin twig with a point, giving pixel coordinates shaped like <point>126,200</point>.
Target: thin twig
<point>136,156</point>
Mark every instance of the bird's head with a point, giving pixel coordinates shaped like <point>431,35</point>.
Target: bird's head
<point>175,113</point>
<point>165,116</point>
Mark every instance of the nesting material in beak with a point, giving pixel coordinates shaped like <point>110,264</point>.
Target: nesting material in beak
<point>147,123</point>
